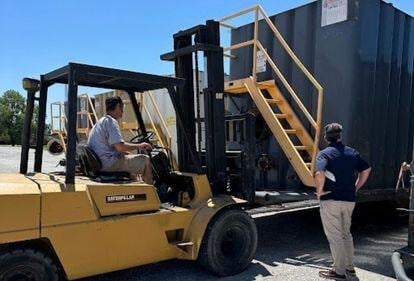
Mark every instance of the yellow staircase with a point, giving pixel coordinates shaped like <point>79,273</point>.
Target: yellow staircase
<point>299,145</point>
<point>283,123</point>
<point>58,123</point>
<point>89,112</point>
<point>58,119</point>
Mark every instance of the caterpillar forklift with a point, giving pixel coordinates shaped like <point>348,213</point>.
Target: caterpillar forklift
<point>83,222</point>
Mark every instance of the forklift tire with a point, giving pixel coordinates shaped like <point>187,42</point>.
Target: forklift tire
<point>229,244</point>
<point>27,264</point>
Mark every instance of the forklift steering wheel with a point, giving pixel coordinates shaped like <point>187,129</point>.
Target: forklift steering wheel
<point>140,138</point>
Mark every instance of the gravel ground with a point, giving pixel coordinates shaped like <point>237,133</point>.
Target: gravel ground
<point>291,246</point>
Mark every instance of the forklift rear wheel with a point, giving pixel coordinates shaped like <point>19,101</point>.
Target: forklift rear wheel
<point>229,244</point>
<point>27,264</point>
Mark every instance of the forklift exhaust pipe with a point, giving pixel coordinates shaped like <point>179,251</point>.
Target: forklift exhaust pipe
<point>55,146</point>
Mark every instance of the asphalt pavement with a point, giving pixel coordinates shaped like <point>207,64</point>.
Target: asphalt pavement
<point>291,246</point>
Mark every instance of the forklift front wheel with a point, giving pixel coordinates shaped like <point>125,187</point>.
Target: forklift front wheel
<point>229,244</point>
<point>27,264</point>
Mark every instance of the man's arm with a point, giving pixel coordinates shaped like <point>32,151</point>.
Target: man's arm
<point>115,139</point>
<point>321,163</point>
<point>320,182</point>
<point>126,146</point>
<point>362,178</point>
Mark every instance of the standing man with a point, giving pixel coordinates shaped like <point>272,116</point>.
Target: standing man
<point>340,173</point>
<point>106,141</point>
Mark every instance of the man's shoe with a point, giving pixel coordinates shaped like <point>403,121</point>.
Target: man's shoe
<point>330,274</point>
<point>350,272</point>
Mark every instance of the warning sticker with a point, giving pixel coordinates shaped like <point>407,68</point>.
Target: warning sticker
<point>334,11</point>
<point>260,62</point>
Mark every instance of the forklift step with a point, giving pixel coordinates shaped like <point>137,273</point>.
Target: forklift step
<point>184,244</point>
<point>273,209</point>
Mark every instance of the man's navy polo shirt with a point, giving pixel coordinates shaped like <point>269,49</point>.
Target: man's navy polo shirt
<point>344,163</point>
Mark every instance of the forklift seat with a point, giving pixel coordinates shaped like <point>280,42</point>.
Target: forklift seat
<point>91,166</point>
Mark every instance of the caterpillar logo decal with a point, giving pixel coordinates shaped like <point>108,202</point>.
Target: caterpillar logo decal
<point>125,198</point>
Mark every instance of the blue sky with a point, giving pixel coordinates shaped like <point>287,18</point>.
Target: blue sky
<point>39,36</point>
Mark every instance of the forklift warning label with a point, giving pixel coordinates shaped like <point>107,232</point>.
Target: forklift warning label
<point>125,198</point>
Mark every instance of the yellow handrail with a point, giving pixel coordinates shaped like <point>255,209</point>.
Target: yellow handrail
<point>287,85</point>
<point>168,145</point>
<point>153,125</point>
<point>240,45</point>
<point>289,50</point>
<point>158,111</point>
<point>258,10</point>
<point>61,117</point>
<point>236,15</point>
<point>89,107</point>
<point>92,107</point>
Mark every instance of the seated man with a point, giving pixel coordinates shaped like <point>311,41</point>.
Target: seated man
<point>106,141</point>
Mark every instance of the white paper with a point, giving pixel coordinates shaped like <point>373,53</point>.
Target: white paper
<point>334,11</point>
<point>260,62</point>
<point>329,175</point>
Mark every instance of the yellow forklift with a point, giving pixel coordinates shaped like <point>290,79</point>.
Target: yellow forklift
<point>84,222</point>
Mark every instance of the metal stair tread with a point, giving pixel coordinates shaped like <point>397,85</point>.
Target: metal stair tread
<point>274,119</point>
<point>302,147</point>
<point>282,115</point>
<point>292,131</point>
<point>238,87</point>
<point>273,101</point>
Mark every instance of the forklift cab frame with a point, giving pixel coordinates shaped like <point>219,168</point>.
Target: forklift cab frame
<point>75,75</point>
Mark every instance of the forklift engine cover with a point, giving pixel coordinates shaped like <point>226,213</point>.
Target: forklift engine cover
<point>105,225</point>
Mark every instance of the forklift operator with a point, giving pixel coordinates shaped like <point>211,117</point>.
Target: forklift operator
<point>106,141</point>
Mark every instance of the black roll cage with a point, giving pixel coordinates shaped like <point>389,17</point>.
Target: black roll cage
<point>74,75</point>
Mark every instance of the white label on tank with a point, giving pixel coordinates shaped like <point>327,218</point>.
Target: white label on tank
<point>334,11</point>
<point>260,62</point>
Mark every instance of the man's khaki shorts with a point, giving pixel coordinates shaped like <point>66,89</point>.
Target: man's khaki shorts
<point>132,163</point>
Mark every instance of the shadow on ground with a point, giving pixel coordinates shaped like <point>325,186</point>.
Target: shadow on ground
<point>296,239</point>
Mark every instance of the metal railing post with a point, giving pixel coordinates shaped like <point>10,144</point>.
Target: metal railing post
<point>256,38</point>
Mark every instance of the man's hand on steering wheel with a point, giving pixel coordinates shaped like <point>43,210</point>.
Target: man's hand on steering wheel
<point>142,137</point>
<point>145,146</point>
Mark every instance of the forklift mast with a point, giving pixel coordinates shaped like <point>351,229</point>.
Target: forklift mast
<point>204,38</point>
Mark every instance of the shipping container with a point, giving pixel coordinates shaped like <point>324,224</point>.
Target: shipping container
<point>363,56</point>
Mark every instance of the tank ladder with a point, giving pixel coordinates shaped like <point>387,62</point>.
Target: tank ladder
<point>299,145</point>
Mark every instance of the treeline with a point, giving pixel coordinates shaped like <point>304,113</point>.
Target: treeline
<point>12,109</point>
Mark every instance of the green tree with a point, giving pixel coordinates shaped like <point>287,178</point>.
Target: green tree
<point>12,107</point>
